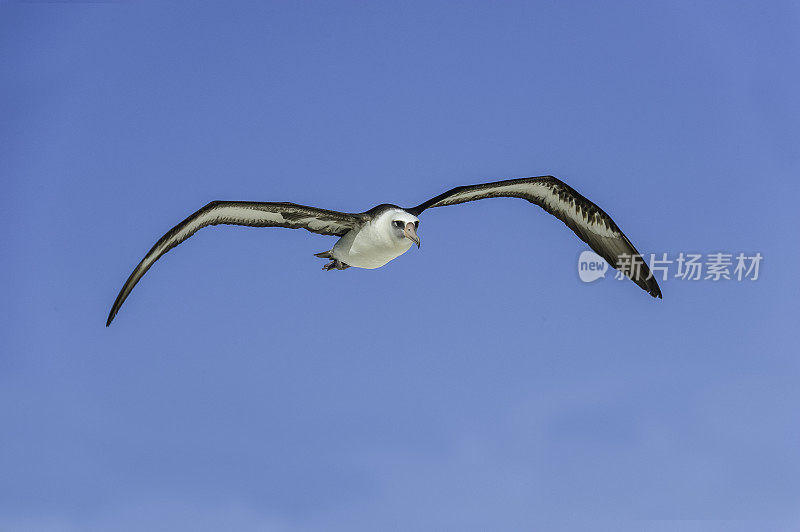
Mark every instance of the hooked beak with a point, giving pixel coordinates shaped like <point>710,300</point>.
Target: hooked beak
<point>411,233</point>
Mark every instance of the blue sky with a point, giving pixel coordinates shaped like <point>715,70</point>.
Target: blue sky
<point>475,383</point>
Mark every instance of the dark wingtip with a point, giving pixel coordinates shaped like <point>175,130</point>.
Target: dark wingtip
<point>652,288</point>
<point>114,309</point>
<point>657,294</point>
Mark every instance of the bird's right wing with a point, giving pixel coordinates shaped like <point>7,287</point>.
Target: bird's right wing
<point>251,213</point>
<point>587,220</point>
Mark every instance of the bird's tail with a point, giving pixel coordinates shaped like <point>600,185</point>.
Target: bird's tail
<point>324,255</point>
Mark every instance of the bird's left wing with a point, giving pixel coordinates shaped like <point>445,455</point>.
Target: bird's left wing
<point>251,213</point>
<point>587,220</point>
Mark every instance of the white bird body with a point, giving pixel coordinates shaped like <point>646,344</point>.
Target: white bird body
<point>375,243</point>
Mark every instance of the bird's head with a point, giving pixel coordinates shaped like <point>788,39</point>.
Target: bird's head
<point>404,225</point>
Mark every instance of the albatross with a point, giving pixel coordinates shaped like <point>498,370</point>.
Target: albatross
<point>372,238</point>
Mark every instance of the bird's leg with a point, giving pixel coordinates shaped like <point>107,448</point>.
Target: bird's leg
<point>335,265</point>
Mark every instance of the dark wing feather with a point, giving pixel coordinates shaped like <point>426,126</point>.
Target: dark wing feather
<point>250,213</point>
<point>587,220</point>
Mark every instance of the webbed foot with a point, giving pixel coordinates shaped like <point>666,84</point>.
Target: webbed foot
<point>335,265</point>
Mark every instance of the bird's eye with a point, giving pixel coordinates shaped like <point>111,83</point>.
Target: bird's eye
<point>398,223</point>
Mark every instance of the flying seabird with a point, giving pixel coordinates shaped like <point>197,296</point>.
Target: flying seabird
<point>372,238</point>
